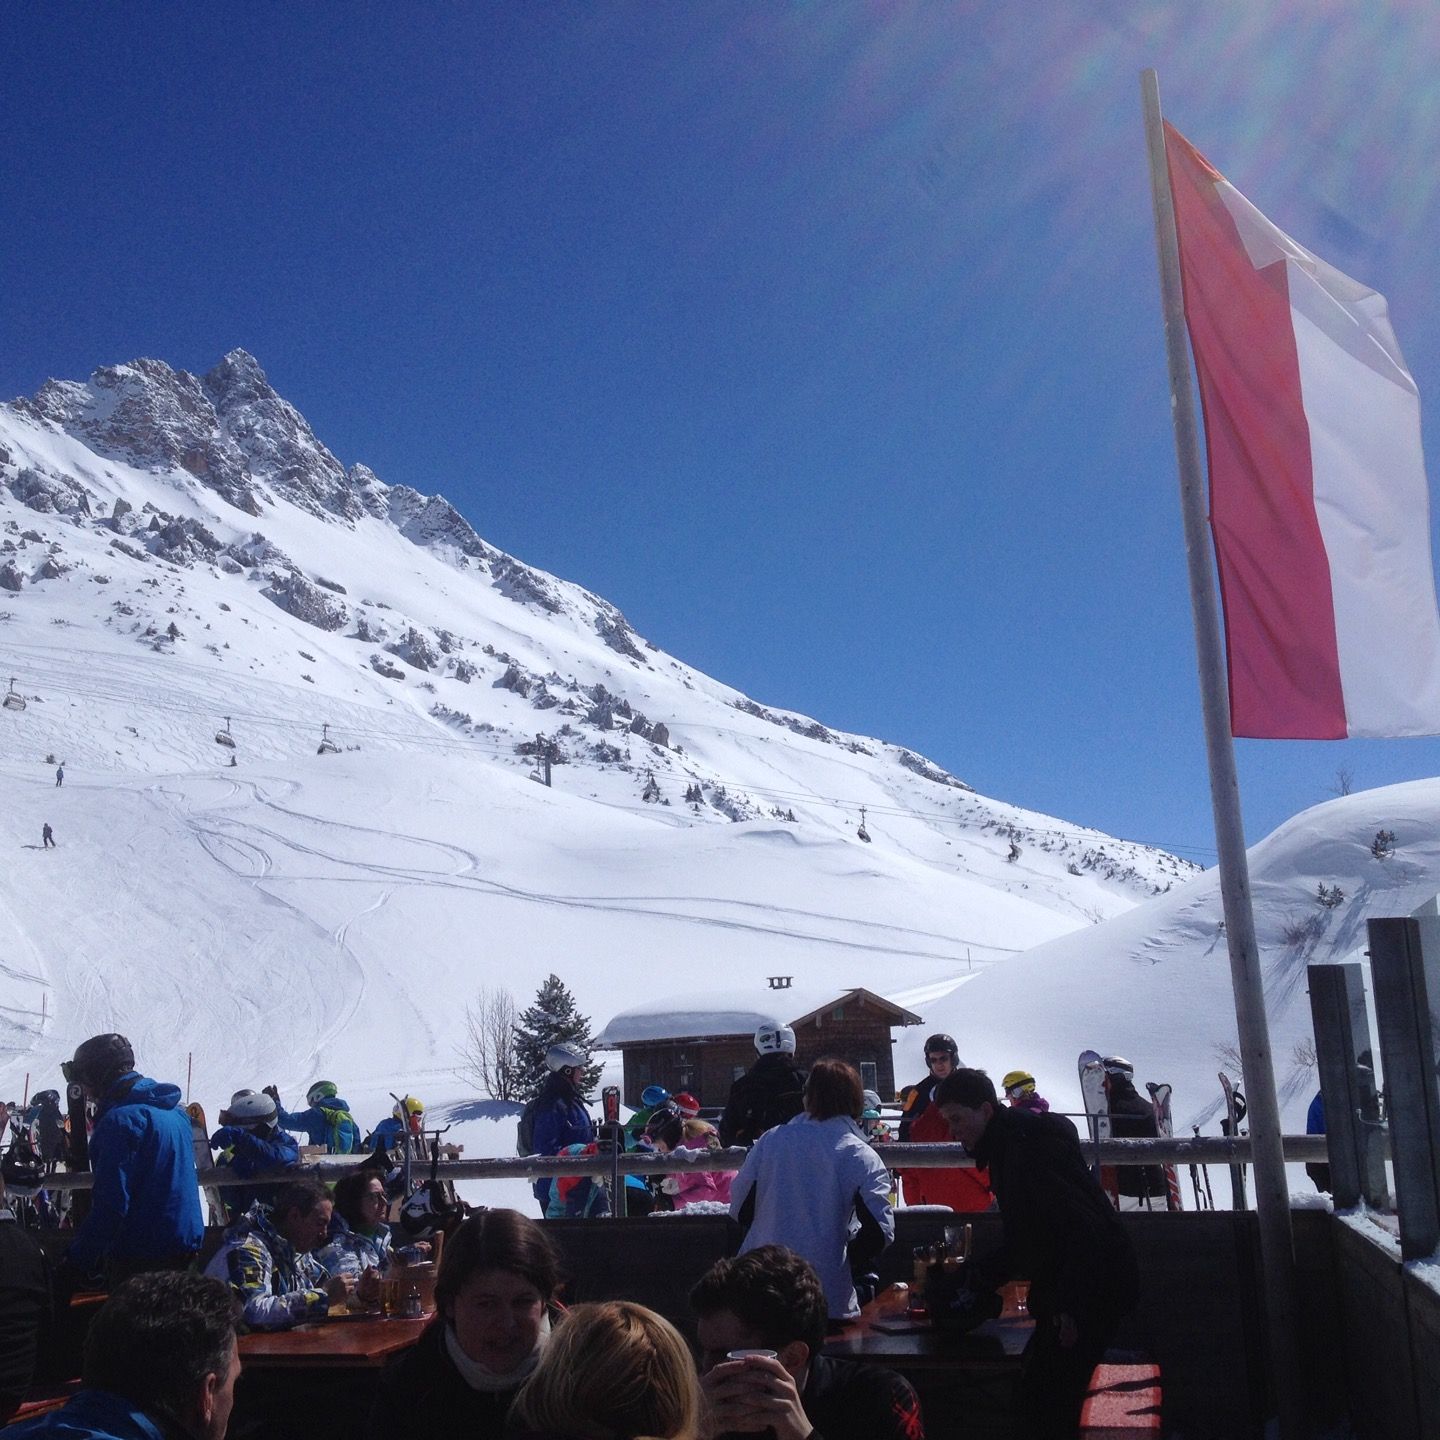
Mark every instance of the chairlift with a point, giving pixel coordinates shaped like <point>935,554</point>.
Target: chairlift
<point>224,737</point>
<point>327,745</point>
<point>862,832</point>
<point>14,700</point>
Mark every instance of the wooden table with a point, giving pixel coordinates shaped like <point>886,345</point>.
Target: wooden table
<point>884,1336</point>
<point>965,1382</point>
<point>342,1343</point>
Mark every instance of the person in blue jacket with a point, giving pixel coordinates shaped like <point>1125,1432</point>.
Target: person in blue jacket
<point>145,1208</point>
<point>326,1122</point>
<point>250,1143</point>
<point>560,1115</point>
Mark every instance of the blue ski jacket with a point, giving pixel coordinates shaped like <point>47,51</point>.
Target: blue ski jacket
<point>248,1152</point>
<point>91,1415</point>
<point>561,1119</point>
<point>146,1200</point>
<point>329,1123</point>
<point>387,1133</point>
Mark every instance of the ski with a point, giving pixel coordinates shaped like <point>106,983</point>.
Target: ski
<point>1234,1114</point>
<point>77,1151</point>
<point>1160,1099</point>
<point>1097,1113</point>
<point>1207,1202</point>
<point>200,1145</point>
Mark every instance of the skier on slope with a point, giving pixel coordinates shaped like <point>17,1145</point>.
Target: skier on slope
<point>561,1120</point>
<point>771,1092</point>
<point>327,1121</point>
<point>1021,1094</point>
<point>1132,1117</point>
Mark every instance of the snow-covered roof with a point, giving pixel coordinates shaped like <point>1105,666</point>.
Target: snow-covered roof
<point>730,1012</point>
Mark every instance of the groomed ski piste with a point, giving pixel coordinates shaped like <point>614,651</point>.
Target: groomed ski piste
<point>304,915</point>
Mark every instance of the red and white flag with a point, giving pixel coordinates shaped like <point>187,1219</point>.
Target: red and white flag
<point>1318,501</point>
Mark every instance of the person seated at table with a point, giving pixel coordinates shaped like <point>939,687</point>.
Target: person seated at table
<point>816,1186</point>
<point>268,1259</point>
<point>494,1298</point>
<point>667,1132</point>
<point>360,1240</point>
<point>612,1371</point>
<point>160,1361</point>
<point>251,1142</point>
<point>771,1299</point>
<point>25,1312</point>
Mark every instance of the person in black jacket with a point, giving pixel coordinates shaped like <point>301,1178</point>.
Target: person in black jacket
<point>771,1299</point>
<point>1132,1117</point>
<point>1060,1232</point>
<point>493,1301</point>
<point>24,1308</point>
<point>769,1093</point>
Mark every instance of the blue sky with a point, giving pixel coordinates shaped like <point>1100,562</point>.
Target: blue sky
<point>823,339</point>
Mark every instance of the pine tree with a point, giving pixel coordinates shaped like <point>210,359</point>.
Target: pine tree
<point>552,1017</point>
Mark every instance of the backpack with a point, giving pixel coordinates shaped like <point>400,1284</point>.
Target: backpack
<point>342,1134</point>
<point>525,1128</point>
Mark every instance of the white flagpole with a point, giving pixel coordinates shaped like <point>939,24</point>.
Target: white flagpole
<point>1272,1193</point>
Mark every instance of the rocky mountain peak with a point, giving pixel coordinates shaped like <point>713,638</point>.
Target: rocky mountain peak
<point>237,380</point>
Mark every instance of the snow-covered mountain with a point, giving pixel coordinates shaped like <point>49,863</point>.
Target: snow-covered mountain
<point>181,557</point>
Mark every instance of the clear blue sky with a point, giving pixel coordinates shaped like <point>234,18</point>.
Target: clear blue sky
<point>821,338</point>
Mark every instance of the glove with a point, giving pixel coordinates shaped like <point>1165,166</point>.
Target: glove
<point>670,1185</point>
<point>273,1091</point>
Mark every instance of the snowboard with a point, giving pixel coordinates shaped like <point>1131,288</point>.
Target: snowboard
<point>1160,1099</point>
<point>1097,1113</point>
<point>200,1143</point>
<point>1234,1114</point>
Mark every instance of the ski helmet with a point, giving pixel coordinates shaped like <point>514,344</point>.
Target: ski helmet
<point>654,1096</point>
<point>251,1107</point>
<point>564,1056</point>
<point>773,1039</point>
<point>687,1104</point>
<point>407,1107</point>
<point>942,1045</point>
<point>1118,1065</point>
<point>665,1128</point>
<point>47,1098</point>
<point>321,1090</point>
<point>871,1101</point>
<point>1018,1080</point>
<point>99,1060</point>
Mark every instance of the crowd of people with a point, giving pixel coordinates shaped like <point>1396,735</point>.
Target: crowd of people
<point>814,1202</point>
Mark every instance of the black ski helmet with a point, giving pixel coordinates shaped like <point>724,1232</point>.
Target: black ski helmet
<point>99,1060</point>
<point>942,1045</point>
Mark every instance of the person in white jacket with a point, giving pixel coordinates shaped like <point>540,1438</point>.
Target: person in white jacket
<point>815,1186</point>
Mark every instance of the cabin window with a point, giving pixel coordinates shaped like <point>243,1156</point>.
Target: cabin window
<point>870,1075</point>
<point>838,1013</point>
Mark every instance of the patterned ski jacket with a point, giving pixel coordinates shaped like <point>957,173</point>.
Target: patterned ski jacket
<point>92,1415</point>
<point>277,1287</point>
<point>146,1200</point>
<point>349,1252</point>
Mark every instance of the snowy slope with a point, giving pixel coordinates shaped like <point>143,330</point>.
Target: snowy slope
<point>1154,984</point>
<point>179,552</point>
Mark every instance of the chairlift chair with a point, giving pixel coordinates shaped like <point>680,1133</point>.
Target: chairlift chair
<point>327,745</point>
<point>862,832</point>
<point>224,737</point>
<point>14,700</point>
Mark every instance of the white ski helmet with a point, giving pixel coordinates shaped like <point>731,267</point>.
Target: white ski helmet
<point>564,1056</point>
<point>1118,1065</point>
<point>775,1039</point>
<point>251,1107</point>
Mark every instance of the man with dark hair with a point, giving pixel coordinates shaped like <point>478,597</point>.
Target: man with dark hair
<point>145,1207</point>
<point>160,1361</point>
<point>268,1261</point>
<point>1060,1232</point>
<point>772,1300</point>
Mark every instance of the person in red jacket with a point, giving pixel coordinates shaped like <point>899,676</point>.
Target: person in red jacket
<point>962,1188</point>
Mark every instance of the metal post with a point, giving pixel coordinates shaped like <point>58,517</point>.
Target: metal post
<point>1405,968</point>
<point>1347,1081</point>
<point>1272,1195</point>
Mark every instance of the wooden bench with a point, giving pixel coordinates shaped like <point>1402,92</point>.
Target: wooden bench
<point>1123,1402</point>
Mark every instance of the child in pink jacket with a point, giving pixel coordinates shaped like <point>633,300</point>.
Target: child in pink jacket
<point>667,1132</point>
